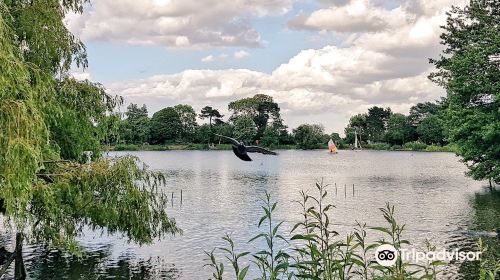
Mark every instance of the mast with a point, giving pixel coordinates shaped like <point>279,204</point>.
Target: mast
<point>355,139</point>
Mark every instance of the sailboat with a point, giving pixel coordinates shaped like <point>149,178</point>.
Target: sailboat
<point>357,144</point>
<point>332,147</point>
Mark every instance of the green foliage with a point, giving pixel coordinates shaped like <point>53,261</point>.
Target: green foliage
<point>356,123</point>
<point>471,78</point>
<point>211,113</point>
<point>319,252</point>
<point>135,128</point>
<point>187,117</point>
<point>430,130</point>
<point>378,146</point>
<point>415,146</point>
<point>376,123</point>
<point>117,196</point>
<point>260,108</point>
<point>309,136</point>
<point>272,263</point>
<point>245,129</point>
<point>74,118</point>
<point>165,126</point>
<point>398,129</point>
<point>271,136</point>
<point>48,122</point>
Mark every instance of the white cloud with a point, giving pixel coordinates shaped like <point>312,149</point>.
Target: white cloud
<point>174,23</point>
<point>240,54</point>
<point>382,61</point>
<point>330,82</point>
<point>208,58</point>
<point>356,16</point>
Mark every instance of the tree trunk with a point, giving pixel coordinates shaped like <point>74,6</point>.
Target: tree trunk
<point>19,269</point>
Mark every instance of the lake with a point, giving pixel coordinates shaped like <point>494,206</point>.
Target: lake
<point>222,194</point>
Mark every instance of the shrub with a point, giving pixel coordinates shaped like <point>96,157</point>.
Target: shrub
<point>415,146</point>
<point>126,147</point>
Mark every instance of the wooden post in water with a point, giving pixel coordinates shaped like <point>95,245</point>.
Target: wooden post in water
<point>172,199</point>
<point>352,189</point>
<point>345,191</point>
<point>335,189</point>
<point>181,197</point>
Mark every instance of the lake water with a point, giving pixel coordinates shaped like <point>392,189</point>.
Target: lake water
<point>222,194</point>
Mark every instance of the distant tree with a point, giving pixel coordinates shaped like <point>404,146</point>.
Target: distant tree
<point>420,111</point>
<point>260,108</point>
<point>136,125</point>
<point>398,129</point>
<point>211,114</point>
<point>245,129</point>
<point>203,134</point>
<point>356,123</point>
<point>187,116</point>
<point>271,136</point>
<point>335,137</point>
<point>430,130</point>
<point>470,74</point>
<point>309,136</point>
<point>165,126</point>
<point>376,123</point>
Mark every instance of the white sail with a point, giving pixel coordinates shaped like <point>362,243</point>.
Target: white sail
<point>355,140</point>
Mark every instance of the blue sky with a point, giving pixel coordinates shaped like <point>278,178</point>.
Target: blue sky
<point>322,61</point>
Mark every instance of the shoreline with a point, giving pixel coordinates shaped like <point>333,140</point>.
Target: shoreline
<point>226,147</point>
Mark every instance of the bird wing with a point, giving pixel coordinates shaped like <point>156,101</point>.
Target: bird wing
<point>255,149</point>
<point>232,140</point>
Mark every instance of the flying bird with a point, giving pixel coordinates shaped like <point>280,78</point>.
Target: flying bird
<point>240,150</point>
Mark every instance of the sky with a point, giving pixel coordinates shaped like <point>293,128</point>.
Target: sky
<point>321,60</point>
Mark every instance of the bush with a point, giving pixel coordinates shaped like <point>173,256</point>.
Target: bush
<point>434,148</point>
<point>377,146</point>
<point>127,147</point>
<point>415,146</point>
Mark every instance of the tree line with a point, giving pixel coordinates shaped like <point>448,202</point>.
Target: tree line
<point>258,119</point>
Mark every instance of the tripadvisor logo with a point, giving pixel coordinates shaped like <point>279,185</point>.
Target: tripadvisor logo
<point>386,255</point>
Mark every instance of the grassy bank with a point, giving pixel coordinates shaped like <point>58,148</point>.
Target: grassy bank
<point>184,147</point>
<point>412,146</point>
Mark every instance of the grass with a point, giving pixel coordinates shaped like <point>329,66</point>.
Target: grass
<point>320,252</point>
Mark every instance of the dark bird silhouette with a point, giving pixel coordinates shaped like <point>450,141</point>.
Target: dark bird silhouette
<point>240,150</point>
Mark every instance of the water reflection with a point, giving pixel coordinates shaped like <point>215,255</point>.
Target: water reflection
<point>485,224</point>
<point>96,264</point>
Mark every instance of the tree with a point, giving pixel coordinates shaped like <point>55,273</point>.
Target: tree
<point>48,192</point>
<point>187,117</point>
<point>165,126</point>
<point>376,123</point>
<point>470,74</point>
<point>211,114</point>
<point>430,130</point>
<point>356,123</point>
<point>309,136</point>
<point>398,129</point>
<point>245,129</point>
<point>420,111</point>
<point>136,124</point>
<point>260,108</point>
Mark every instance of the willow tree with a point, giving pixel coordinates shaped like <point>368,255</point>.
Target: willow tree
<point>469,70</point>
<point>49,189</point>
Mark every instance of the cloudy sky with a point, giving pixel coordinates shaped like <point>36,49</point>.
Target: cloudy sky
<point>321,60</point>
